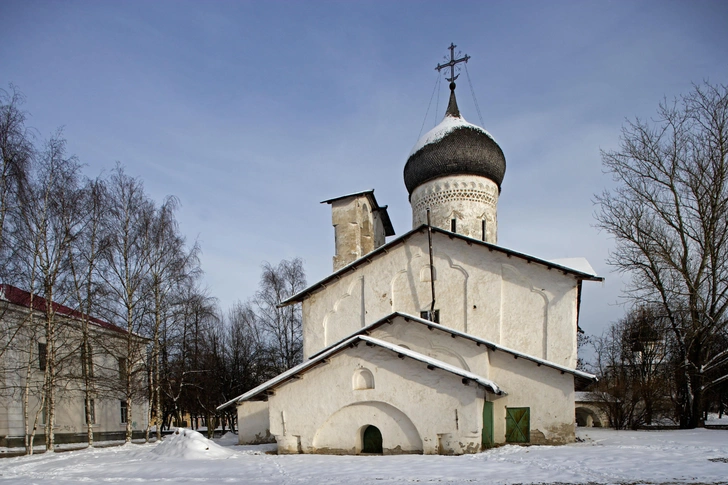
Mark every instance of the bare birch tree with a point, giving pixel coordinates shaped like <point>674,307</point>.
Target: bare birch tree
<point>669,217</point>
<point>48,220</point>
<point>16,151</point>
<point>171,265</point>
<point>83,261</point>
<point>127,244</point>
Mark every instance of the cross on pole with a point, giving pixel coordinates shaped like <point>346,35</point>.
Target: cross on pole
<point>452,63</point>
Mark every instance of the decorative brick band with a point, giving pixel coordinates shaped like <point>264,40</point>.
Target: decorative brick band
<point>441,193</point>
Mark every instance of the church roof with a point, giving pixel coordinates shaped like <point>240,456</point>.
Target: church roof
<point>454,147</point>
<point>381,250</point>
<point>478,341</point>
<point>295,372</point>
<point>382,210</point>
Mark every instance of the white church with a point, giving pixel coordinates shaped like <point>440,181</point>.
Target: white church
<point>437,341</point>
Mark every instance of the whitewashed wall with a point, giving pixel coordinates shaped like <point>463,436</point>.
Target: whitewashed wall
<point>70,409</point>
<point>253,423</point>
<point>469,199</point>
<point>414,408</point>
<point>546,391</point>
<point>507,300</point>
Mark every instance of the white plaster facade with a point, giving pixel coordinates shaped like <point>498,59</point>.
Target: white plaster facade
<point>467,202</point>
<point>70,419</point>
<point>479,289</point>
<point>410,393</point>
<point>376,377</point>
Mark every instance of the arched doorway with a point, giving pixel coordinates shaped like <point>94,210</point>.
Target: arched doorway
<point>371,440</point>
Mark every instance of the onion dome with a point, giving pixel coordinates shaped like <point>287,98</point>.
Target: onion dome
<point>454,147</point>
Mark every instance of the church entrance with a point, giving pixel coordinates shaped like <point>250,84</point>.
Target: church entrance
<point>371,440</point>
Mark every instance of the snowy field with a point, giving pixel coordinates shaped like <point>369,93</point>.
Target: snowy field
<point>604,456</point>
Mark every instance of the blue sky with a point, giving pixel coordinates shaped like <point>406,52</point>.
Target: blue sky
<point>253,112</point>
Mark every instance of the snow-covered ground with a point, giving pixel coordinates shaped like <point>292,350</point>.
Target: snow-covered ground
<point>604,456</point>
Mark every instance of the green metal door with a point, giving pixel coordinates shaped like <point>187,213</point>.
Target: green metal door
<point>372,440</point>
<point>487,424</point>
<point>518,425</point>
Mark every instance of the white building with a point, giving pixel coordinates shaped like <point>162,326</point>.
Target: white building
<point>22,362</point>
<point>438,341</point>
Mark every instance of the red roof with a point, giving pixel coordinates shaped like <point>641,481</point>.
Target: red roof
<point>23,298</point>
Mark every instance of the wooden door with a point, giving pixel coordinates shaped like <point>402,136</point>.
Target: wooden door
<point>518,425</point>
<point>487,424</point>
<point>372,440</point>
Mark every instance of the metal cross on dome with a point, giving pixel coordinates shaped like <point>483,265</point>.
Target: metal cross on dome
<point>452,63</point>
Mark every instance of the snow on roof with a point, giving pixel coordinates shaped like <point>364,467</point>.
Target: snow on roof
<point>303,294</point>
<point>447,125</point>
<point>333,349</point>
<point>487,383</point>
<point>578,264</point>
<point>477,340</point>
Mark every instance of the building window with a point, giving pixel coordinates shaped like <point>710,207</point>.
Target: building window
<point>453,225</point>
<point>42,350</point>
<point>433,316</point>
<point>122,369</point>
<point>363,379</point>
<point>89,416</point>
<point>482,224</point>
<point>123,408</point>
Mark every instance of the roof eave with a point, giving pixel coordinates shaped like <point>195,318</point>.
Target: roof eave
<point>336,348</point>
<point>300,296</point>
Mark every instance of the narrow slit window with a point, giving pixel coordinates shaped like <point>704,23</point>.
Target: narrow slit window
<point>42,354</point>
<point>123,408</point>
<point>482,224</point>
<point>122,369</point>
<point>453,225</point>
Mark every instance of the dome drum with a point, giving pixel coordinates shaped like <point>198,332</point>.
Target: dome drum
<point>466,204</point>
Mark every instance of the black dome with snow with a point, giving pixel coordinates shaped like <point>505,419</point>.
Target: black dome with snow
<point>454,147</point>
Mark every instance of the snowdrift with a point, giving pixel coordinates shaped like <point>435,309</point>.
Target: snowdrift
<point>190,445</point>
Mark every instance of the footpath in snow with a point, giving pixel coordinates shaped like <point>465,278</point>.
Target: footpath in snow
<point>603,456</point>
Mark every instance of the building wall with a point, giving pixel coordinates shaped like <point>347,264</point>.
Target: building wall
<point>417,410</point>
<point>459,352</point>
<point>70,423</point>
<point>507,300</point>
<point>548,393</point>
<point>253,423</point>
<point>468,199</point>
